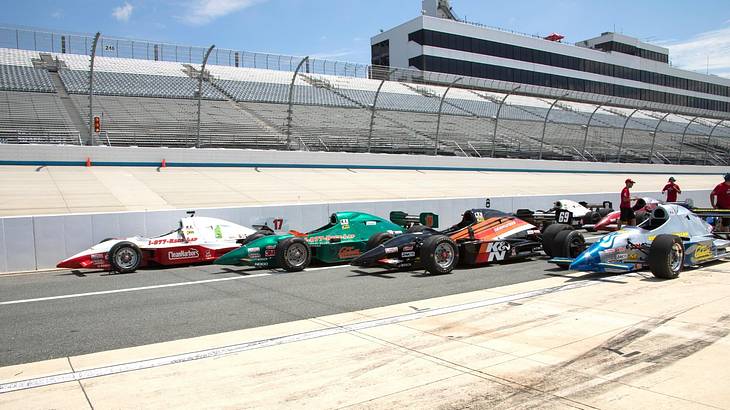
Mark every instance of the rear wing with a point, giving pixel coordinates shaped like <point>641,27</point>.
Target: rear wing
<point>595,207</point>
<point>404,219</point>
<point>708,212</point>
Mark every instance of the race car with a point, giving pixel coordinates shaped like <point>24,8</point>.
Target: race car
<point>568,212</point>
<point>345,237</point>
<point>643,208</point>
<point>196,239</point>
<point>482,236</point>
<point>672,238</point>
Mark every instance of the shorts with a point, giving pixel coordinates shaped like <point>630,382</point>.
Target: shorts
<point>627,214</point>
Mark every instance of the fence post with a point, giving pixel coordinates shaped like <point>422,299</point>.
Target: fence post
<point>91,89</point>
<point>496,119</point>
<point>653,137</point>
<point>681,144</point>
<point>544,124</point>
<point>707,145</point>
<point>438,119</point>
<point>588,126</point>
<point>200,89</point>
<point>291,94</point>
<point>623,130</point>
<point>372,113</point>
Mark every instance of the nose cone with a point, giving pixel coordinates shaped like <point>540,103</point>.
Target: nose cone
<point>233,257</point>
<point>586,261</point>
<point>370,257</point>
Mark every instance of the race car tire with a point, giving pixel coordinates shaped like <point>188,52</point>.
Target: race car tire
<point>105,240</point>
<point>604,211</point>
<point>378,239</point>
<point>591,217</point>
<point>548,236</point>
<point>568,244</point>
<point>417,228</point>
<point>293,254</point>
<point>641,216</point>
<point>439,254</point>
<point>124,257</point>
<point>666,256</point>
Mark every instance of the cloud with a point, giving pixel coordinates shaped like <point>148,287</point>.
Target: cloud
<point>122,13</point>
<point>199,12</point>
<point>332,54</point>
<point>57,14</point>
<point>693,54</point>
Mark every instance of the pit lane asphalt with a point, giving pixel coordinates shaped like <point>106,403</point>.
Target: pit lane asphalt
<point>58,327</point>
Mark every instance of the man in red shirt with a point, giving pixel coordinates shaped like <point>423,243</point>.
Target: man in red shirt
<point>720,199</point>
<point>671,189</point>
<point>627,212</point>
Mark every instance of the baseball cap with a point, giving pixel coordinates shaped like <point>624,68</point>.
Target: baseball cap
<point>633,182</point>
<point>727,177</point>
<point>671,179</point>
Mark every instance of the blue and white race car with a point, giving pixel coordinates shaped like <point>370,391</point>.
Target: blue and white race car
<point>672,238</point>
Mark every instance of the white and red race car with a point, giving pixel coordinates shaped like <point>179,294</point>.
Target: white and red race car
<point>197,239</point>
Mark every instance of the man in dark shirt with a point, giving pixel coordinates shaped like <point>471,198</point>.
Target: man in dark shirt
<point>720,199</point>
<point>627,212</point>
<point>671,189</point>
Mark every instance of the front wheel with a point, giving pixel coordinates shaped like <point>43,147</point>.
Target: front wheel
<point>293,254</point>
<point>439,254</point>
<point>125,257</point>
<point>666,256</point>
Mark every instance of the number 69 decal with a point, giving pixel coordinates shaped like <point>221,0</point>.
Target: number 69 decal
<point>563,216</point>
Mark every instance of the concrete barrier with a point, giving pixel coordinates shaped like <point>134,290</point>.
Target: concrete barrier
<point>39,242</point>
<point>71,155</point>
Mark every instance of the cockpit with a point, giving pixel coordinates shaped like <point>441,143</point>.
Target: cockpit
<point>657,218</point>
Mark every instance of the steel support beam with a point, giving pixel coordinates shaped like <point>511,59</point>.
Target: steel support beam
<point>200,90</point>
<point>372,113</point>
<point>290,109</point>
<point>438,119</point>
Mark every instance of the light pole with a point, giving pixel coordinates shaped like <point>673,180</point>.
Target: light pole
<point>200,89</point>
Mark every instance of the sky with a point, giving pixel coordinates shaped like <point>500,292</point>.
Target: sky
<point>697,33</point>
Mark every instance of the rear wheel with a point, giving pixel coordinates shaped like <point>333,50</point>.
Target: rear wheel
<point>592,217</point>
<point>378,239</point>
<point>124,257</point>
<point>568,244</point>
<point>439,254</point>
<point>256,235</point>
<point>666,256</point>
<point>604,211</point>
<point>293,254</point>
<point>548,236</point>
<point>417,228</point>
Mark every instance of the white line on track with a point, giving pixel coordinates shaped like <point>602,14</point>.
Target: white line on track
<point>107,292</point>
<point>257,344</point>
<point>141,288</point>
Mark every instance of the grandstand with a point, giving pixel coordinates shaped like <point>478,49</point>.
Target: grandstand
<point>245,104</point>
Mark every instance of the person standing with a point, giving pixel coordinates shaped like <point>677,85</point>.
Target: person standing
<point>628,217</point>
<point>672,190</point>
<point>720,199</point>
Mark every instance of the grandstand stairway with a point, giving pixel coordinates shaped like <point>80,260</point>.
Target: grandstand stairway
<point>73,113</point>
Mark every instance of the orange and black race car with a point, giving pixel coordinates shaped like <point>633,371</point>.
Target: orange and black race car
<point>482,236</point>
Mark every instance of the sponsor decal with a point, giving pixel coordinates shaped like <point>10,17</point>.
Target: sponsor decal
<point>497,250</point>
<point>326,239</point>
<point>269,247</point>
<point>703,252</point>
<point>370,223</point>
<point>254,255</point>
<point>408,248</point>
<point>505,226</point>
<point>391,250</point>
<point>253,250</point>
<point>348,252</point>
<point>269,253</point>
<point>429,220</point>
<point>410,254</point>
<point>218,232</point>
<point>208,254</point>
<point>169,241</point>
<point>191,253</point>
<point>345,223</point>
<point>632,257</point>
<point>680,234</point>
<point>479,216</point>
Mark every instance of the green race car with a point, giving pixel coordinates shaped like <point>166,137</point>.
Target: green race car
<point>345,237</point>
